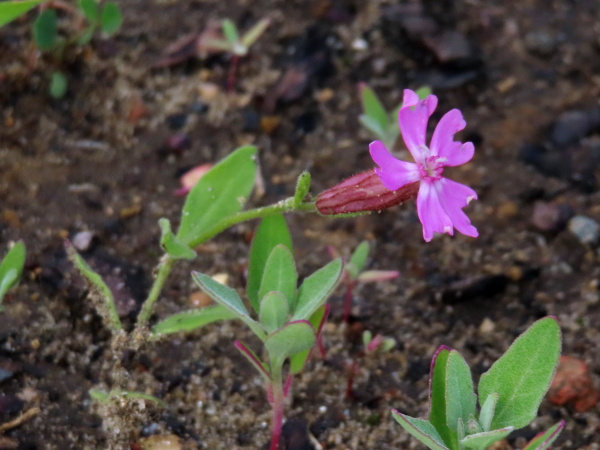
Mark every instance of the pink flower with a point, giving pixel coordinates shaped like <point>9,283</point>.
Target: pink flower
<point>440,201</point>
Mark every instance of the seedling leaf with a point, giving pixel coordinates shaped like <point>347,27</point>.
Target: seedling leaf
<point>522,375</point>
<point>45,31</point>
<point>358,260</point>
<point>90,10</point>
<point>230,32</point>
<point>11,268</point>
<point>461,401</point>
<point>543,441</point>
<point>171,245</point>
<point>487,411</point>
<point>192,320</point>
<point>280,274</point>
<point>484,439</point>
<point>255,32</point>
<point>274,310</point>
<point>271,232</point>
<point>374,111</point>
<point>221,294</point>
<point>302,188</point>
<point>107,309</point>
<point>58,85</point>
<point>261,367</point>
<point>298,361</point>
<point>111,18</point>
<point>220,193</point>
<point>422,430</point>
<point>10,10</point>
<point>316,289</point>
<point>437,386</point>
<point>293,338</point>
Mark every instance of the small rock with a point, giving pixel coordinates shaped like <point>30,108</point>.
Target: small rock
<point>82,240</point>
<point>177,143</point>
<point>487,326</point>
<point>541,43</point>
<point>550,217</point>
<point>177,121</point>
<point>587,230</point>
<point>573,126</point>
<point>199,299</point>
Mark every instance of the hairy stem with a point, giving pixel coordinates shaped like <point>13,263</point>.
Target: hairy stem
<point>277,404</point>
<point>164,269</point>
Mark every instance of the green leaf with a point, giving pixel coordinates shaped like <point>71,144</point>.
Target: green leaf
<point>461,400</point>
<point>230,31</point>
<point>171,245</point>
<point>358,260</point>
<point>255,32</point>
<point>298,361</point>
<point>192,320</point>
<point>228,298</point>
<point>45,31</point>
<point>271,232</point>
<point>422,430</point>
<point>274,311</point>
<point>423,92</point>
<point>106,304</point>
<point>260,366</point>
<point>373,109</point>
<point>487,412</point>
<point>316,289</point>
<point>481,441</point>
<point>543,441</point>
<point>10,10</point>
<point>302,188</point>
<point>221,192</point>
<point>86,36</point>
<point>111,18</point>
<point>293,338</point>
<point>373,126</point>
<point>280,274</point>
<point>11,268</point>
<point>58,85</point>
<point>438,408</point>
<point>91,10</point>
<point>522,375</point>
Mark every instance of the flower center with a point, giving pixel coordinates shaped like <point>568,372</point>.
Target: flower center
<point>432,167</point>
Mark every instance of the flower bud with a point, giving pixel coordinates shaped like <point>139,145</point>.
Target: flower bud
<point>363,192</point>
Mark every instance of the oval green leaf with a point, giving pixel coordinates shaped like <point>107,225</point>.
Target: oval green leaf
<point>111,18</point>
<point>522,375</point>
<point>192,320</point>
<point>280,274</point>
<point>221,192</point>
<point>316,289</point>
<point>289,340</point>
<point>274,311</point>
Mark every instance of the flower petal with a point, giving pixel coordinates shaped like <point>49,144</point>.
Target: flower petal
<point>431,213</point>
<point>454,197</point>
<point>413,117</point>
<point>442,141</point>
<point>393,172</point>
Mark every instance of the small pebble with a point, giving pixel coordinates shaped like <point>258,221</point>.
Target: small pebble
<point>161,442</point>
<point>82,240</point>
<point>585,229</point>
<point>487,326</point>
<point>177,121</point>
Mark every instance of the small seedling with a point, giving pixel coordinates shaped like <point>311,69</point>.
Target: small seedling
<point>371,344</point>
<point>237,45</point>
<point>509,394</point>
<point>354,274</point>
<point>11,268</point>
<point>106,19</point>
<point>287,319</point>
<point>375,118</point>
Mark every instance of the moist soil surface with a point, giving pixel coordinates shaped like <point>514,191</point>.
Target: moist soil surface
<point>102,165</point>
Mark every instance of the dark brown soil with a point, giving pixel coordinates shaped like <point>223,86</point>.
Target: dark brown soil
<point>526,77</point>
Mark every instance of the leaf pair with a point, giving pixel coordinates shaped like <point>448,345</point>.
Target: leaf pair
<point>509,393</point>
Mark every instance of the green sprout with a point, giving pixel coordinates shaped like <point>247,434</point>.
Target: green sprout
<point>11,268</point>
<point>509,394</point>
<point>236,44</point>
<point>381,123</point>
<point>106,19</point>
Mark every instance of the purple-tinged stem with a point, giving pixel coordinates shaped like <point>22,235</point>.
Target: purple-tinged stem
<point>233,63</point>
<point>277,405</point>
<point>348,300</point>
